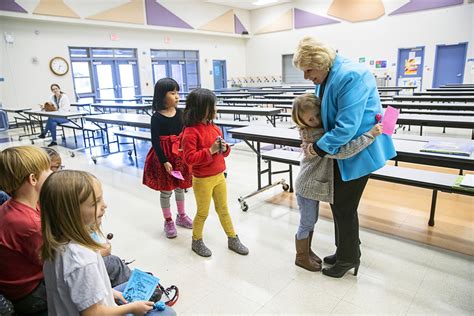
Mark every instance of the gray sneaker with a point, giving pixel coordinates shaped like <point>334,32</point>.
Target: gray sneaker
<point>234,244</point>
<point>200,248</point>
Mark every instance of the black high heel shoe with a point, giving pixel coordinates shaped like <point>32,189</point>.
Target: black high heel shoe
<point>330,259</point>
<point>340,268</point>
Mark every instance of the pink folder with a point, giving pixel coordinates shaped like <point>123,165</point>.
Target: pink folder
<point>177,175</point>
<point>390,120</point>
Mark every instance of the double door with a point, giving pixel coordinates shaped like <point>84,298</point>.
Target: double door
<point>184,72</point>
<point>116,79</point>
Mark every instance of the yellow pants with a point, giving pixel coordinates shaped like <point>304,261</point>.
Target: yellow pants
<point>213,187</point>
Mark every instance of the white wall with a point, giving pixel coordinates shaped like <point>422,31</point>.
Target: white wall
<point>379,39</point>
<point>27,84</point>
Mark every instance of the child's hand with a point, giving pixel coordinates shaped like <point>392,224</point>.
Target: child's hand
<point>215,147</point>
<point>141,307</point>
<point>106,250</point>
<point>376,130</point>
<point>168,167</point>
<point>223,146</point>
<point>118,296</point>
<point>308,150</point>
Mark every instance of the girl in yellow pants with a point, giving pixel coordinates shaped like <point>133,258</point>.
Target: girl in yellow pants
<point>204,150</point>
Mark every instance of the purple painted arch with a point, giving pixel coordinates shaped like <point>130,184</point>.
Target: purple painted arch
<point>307,19</point>
<point>11,5</point>
<point>156,14</point>
<point>421,5</point>
<point>238,26</point>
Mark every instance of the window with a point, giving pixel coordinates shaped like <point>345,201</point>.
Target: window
<point>290,73</point>
<point>181,65</point>
<point>99,73</point>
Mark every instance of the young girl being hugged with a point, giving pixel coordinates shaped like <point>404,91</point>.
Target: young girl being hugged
<point>75,275</point>
<point>204,149</point>
<point>315,181</point>
<point>164,157</point>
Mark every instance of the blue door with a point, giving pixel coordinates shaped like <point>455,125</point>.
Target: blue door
<point>410,67</point>
<point>184,72</point>
<point>220,75</point>
<point>449,64</point>
<point>116,79</point>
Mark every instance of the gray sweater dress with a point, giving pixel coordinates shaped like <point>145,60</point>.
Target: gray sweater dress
<point>315,180</point>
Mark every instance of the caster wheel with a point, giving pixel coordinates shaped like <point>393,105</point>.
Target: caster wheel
<point>244,207</point>
<point>32,142</point>
<point>73,155</point>
<point>285,187</point>
<point>130,153</point>
<point>94,160</point>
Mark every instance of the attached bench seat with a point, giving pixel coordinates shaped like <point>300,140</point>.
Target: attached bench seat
<point>432,180</point>
<point>86,128</point>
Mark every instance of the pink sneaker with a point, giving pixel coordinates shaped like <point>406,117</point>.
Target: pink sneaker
<point>184,221</point>
<point>170,229</point>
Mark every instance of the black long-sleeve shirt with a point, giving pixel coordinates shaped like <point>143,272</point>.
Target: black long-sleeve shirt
<point>164,126</point>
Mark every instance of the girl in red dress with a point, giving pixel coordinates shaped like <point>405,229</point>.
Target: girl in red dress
<point>164,158</point>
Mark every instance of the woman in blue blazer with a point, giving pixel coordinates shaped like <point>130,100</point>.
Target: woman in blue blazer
<point>349,104</point>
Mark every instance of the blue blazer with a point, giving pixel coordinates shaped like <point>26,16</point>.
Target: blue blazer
<point>350,103</point>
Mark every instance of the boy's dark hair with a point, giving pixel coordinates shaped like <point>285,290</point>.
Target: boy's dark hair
<point>200,104</point>
<point>162,87</point>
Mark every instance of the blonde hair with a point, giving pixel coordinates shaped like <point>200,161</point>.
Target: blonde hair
<point>61,222</point>
<point>313,54</point>
<point>303,103</point>
<point>18,163</point>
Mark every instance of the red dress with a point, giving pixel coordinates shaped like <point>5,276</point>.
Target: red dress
<point>154,173</point>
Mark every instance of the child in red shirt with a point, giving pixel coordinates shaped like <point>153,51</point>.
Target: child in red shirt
<point>204,150</point>
<point>23,170</point>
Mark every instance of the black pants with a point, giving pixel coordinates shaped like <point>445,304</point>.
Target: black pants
<point>34,303</point>
<point>346,221</point>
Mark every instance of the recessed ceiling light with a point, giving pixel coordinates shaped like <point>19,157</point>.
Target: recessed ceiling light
<point>264,2</point>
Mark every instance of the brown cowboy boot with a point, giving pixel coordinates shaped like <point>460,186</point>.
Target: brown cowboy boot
<point>311,253</point>
<point>302,256</point>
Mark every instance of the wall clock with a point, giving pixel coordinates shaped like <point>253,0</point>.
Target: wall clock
<point>59,66</point>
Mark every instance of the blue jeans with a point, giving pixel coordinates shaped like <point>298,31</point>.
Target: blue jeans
<point>167,312</point>
<point>309,212</point>
<point>3,197</point>
<point>51,126</point>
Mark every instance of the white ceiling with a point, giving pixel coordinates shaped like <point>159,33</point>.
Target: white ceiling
<point>244,4</point>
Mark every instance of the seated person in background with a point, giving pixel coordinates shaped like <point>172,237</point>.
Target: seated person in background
<point>23,170</point>
<point>61,102</point>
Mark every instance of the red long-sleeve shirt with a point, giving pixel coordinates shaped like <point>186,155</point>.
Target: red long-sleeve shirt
<point>21,268</point>
<point>196,141</point>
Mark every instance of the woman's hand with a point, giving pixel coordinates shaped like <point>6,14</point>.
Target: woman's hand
<point>376,130</point>
<point>168,167</point>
